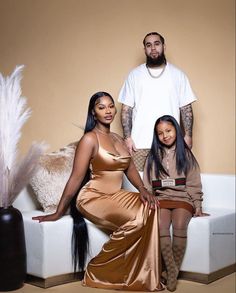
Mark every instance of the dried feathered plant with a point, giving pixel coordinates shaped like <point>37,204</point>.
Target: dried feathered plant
<point>14,173</point>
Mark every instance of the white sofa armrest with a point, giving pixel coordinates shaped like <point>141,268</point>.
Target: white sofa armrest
<point>26,200</point>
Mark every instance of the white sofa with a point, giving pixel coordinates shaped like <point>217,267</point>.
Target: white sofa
<point>210,250</point>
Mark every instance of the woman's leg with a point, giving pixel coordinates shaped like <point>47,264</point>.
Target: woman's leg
<point>180,221</point>
<point>130,260</point>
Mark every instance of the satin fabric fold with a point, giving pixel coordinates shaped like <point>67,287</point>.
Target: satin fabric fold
<point>130,260</point>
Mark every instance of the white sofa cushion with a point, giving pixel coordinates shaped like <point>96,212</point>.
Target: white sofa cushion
<point>48,245</point>
<point>218,191</point>
<point>211,242</point>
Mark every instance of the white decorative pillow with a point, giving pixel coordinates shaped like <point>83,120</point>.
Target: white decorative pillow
<point>49,181</point>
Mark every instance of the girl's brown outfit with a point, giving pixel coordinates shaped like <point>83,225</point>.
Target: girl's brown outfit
<point>175,191</point>
<point>189,193</point>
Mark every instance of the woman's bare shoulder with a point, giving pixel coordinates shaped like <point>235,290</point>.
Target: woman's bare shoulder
<point>89,139</point>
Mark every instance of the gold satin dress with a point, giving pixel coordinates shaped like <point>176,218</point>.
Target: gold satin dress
<point>130,260</point>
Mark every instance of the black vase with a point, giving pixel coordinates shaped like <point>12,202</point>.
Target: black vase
<point>12,249</point>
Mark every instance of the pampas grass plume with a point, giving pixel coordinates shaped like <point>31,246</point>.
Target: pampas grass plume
<point>14,173</point>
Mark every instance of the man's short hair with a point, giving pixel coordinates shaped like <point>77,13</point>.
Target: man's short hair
<point>155,34</point>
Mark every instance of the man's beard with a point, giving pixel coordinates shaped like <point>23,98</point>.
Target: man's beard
<point>155,62</point>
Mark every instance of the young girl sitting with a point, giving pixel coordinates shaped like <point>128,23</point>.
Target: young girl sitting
<point>172,173</point>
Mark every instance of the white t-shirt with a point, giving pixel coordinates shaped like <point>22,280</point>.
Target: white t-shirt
<point>152,98</point>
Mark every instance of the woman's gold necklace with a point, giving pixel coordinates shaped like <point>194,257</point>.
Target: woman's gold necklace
<point>156,76</point>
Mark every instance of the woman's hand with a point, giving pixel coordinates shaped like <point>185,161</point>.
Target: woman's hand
<point>199,213</point>
<point>148,197</point>
<point>52,217</point>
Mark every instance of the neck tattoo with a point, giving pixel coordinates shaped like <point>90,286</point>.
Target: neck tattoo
<point>156,76</point>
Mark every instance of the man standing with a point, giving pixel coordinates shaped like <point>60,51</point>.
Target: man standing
<point>150,91</point>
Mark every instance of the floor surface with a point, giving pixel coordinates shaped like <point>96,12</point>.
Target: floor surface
<point>224,285</point>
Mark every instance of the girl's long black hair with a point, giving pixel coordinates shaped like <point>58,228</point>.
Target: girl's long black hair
<point>80,240</point>
<point>185,159</point>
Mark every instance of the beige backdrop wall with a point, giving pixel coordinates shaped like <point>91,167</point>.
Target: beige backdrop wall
<point>73,48</point>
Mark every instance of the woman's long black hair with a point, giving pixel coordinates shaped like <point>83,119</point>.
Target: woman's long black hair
<point>185,159</point>
<point>80,240</point>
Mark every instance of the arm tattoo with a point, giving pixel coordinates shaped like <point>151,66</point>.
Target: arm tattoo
<point>126,120</point>
<point>187,119</point>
